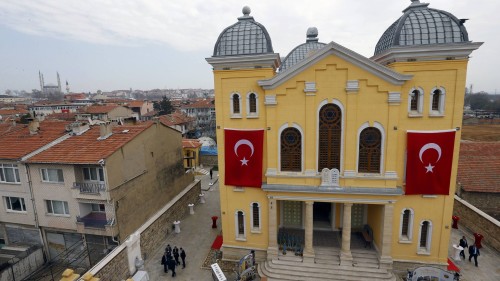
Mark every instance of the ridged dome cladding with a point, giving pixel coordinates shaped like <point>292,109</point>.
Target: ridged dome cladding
<point>421,25</point>
<point>246,37</point>
<point>302,51</point>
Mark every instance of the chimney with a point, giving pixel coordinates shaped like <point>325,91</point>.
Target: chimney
<point>106,130</point>
<point>34,126</point>
<point>13,122</point>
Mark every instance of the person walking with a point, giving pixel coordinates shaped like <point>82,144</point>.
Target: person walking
<point>168,249</point>
<point>464,245</point>
<point>164,260</point>
<point>211,173</point>
<point>473,252</point>
<point>171,265</point>
<point>183,257</point>
<point>176,255</point>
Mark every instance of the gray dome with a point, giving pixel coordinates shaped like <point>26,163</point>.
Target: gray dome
<point>246,37</point>
<point>420,25</point>
<point>302,51</point>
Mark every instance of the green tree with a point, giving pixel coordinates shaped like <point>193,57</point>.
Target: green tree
<point>164,106</point>
<point>480,101</point>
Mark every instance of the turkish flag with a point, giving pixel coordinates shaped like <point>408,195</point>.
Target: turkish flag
<point>429,160</point>
<point>243,157</point>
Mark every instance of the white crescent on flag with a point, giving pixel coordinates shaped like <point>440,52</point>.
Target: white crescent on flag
<point>242,142</point>
<point>430,146</point>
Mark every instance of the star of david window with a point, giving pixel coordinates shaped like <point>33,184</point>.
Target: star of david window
<point>370,142</point>
<point>330,133</point>
<point>291,150</point>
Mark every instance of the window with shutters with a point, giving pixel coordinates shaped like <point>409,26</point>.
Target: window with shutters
<point>406,226</point>
<point>415,101</point>
<point>255,219</point>
<point>291,150</point>
<point>370,147</point>
<point>252,105</point>
<point>424,245</point>
<point>235,105</point>
<point>330,135</point>
<point>437,102</point>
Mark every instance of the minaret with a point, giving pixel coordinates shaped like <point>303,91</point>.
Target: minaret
<point>40,76</point>
<point>67,87</point>
<point>58,83</point>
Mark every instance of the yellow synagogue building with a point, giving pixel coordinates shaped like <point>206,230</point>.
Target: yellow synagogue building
<point>335,142</point>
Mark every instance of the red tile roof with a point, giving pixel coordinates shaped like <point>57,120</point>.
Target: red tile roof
<point>18,142</point>
<point>190,143</point>
<point>95,109</point>
<point>175,118</point>
<point>479,166</point>
<point>134,103</point>
<point>205,103</point>
<point>86,148</point>
<point>13,111</point>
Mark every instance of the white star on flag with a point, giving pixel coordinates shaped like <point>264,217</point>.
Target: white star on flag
<point>429,168</point>
<point>244,162</point>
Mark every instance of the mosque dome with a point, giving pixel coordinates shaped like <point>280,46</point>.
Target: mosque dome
<point>420,25</point>
<point>303,50</point>
<point>246,37</point>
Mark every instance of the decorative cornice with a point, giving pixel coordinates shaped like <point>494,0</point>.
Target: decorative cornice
<point>344,53</point>
<point>375,191</point>
<point>432,52</point>
<point>271,60</point>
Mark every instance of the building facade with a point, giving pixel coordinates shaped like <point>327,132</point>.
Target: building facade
<point>335,129</point>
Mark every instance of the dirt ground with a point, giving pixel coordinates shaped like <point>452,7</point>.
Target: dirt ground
<point>481,132</point>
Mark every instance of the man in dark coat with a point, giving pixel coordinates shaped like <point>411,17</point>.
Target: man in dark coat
<point>164,260</point>
<point>183,257</point>
<point>176,255</point>
<point>171,265</point>
<point>464,245</point>
<point>168,249</point>
<point>474,252</point>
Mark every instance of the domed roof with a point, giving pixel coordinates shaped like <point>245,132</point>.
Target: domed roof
<point>246,37</point>
<point>420,25</point>
<point>302,51</point>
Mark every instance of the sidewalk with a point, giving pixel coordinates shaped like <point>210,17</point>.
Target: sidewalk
<point>488,261</point>
<point>196,238</point>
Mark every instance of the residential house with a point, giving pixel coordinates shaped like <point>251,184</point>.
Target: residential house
<point>179,121</point>
<point>204,112</point>
<point>191,151</point>
<point>104,112</point>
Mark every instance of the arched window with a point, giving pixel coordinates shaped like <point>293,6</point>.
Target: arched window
<point>255,212</point>
<point>437,101</point>
<point>235,105</point>
<point>406,225</point>
<point>240,225</point>
<point>330,135</point>
<point>252,105</point>
<point>291,150</point>
<point>370,147</point>
<point>415,101</point>
<point>424,241</point>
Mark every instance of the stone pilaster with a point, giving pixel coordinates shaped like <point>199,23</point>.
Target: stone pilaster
<point>272,248</point>
<point>385,260</point>
<point>345,252</point>
<point>308,255</point>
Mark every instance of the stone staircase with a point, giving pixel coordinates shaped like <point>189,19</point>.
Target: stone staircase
<point>326,267</point>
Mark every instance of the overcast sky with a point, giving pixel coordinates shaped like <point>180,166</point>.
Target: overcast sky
<point>148,44</point>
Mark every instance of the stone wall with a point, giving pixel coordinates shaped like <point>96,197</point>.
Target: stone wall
<point>152,233</point>
<point>477,221</point>
<point>485,201</point>
<point>209,160</point>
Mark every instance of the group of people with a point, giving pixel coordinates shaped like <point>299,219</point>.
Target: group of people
<point>170,259</point>
<point>473,250</point>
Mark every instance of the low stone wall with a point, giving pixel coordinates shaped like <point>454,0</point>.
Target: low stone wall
<point>209,160</point>
<point>24,265</point>
<point>478,222</point>
<point>152,233</point>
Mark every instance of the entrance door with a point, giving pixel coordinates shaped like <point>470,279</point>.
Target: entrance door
<point>358,217</point>
<point>322,215</point>
<point>292,214</point>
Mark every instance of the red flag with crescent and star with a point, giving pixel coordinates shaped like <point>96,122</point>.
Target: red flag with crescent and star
<point>429,162</point>
<point>243,157</point>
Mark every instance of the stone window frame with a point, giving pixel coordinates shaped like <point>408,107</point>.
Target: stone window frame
<point>381,129</point>
<point>255,229</point>
<point>409,237</point>
<point>251,114</point>
<point>231,104</point>
<point>280,131</point>
<point>240,236</point>
<point>420,102</point>
<point>441,103</point>
<point>428,239</point>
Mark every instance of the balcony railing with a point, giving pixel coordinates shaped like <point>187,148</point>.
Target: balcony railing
<point>94,220</point>
<point>89,187</point>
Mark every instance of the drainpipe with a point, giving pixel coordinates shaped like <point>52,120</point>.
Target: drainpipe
<point>35,213</point>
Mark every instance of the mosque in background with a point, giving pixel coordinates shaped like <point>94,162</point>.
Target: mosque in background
<point>335,151</point>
